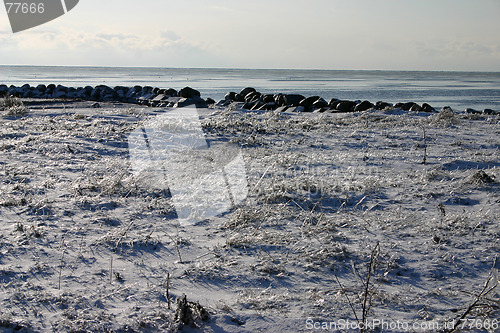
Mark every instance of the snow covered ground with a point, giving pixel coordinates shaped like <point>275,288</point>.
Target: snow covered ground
<point>343,224</point>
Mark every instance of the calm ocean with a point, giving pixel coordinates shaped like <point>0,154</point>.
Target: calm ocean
<point>459,90</point>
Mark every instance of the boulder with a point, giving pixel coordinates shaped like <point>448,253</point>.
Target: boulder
<point>239,98</point>
<point>363,106</point>
<point>293,99</point>
<point>59,94</point>
<point>279,99</point>
<point>95,94</point>
<point>382,105</point>
<point>210,101</point>
<point>41,88</point>
<point>346,106</point>
<point>490,112</point>
<point>61,88</point>
<point>472,111</point>
<point>108,97</point>
<point>307,102</point>
<point>427,108</point>
<point>416,108</point>
<point>333,103</point>
<point>320,103</point>
<point>171,92</point>
<point>252,96</point>
<point>230,96</point>
<point>248,105</point>
<point>146,90</point>
<point>197,101</point>
<point>189,92</point>
<point>245,91</point>
<point>51,87</point>
<point>3,90</point>
<point>407,106</point>
<point>29,93</point>
<point>267,98</point>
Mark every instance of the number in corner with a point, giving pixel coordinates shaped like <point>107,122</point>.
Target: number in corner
<point>25,7</point>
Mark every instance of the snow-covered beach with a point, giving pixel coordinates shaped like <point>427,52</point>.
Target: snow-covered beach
<point>343,223</point>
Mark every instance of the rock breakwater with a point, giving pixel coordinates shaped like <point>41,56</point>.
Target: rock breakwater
<point>248,98</point>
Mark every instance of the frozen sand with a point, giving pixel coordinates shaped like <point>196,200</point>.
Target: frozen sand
<point>83,246</point>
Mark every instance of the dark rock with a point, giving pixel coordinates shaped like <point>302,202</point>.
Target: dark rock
<point>320,104</point>
<point>407,106</point>
<point>427,108</point>
<point>382,105</point>
<point>120,94</point>
<point>117,88</point>
<point>248,105</point>
<point>29,93</point>
<point>472,111</point>
<point>346,106</point>
<point>489,112</point>
<point>171,92</point>
<point>253,96</point>
<point>189,92</point>
<point>3,90</point>
<point>41,88</point>
<point>95,94</point>
<point>59,94</point>
<point>293,99</point>
<point>239,98</point>
<point>197,101</point>
<point>156,91</point>
<point>26,87</point>
<point>279,99</point>
<point>416,108</point>
<point>333,102</point>
<point>210,101</point>
<point>108,98</point>
<point>363,106</point>
<point>267,98</point>
<point>307,102</point>
<point>230,96</point>
<point>245,91</point>
<point>51,87</point>
<point>96,105</point>
<point>61,88</point>
<point>133,93</point>
<point>146,90</point>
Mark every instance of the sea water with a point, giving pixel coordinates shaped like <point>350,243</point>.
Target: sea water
<point>460,90</point>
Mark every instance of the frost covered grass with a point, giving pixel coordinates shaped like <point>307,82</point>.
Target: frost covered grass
<point>343,221</point>
<point>13,106</point>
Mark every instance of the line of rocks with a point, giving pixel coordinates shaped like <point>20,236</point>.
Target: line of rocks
<point>248,98</point>
<point>253,100</point>
<point>146,95</point>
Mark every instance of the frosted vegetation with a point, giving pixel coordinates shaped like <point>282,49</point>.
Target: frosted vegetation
<point>377,215</point>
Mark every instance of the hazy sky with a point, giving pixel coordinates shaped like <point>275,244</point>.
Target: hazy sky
<point>325,34</point>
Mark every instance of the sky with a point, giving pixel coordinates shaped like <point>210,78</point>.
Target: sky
<point>458,35</point>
